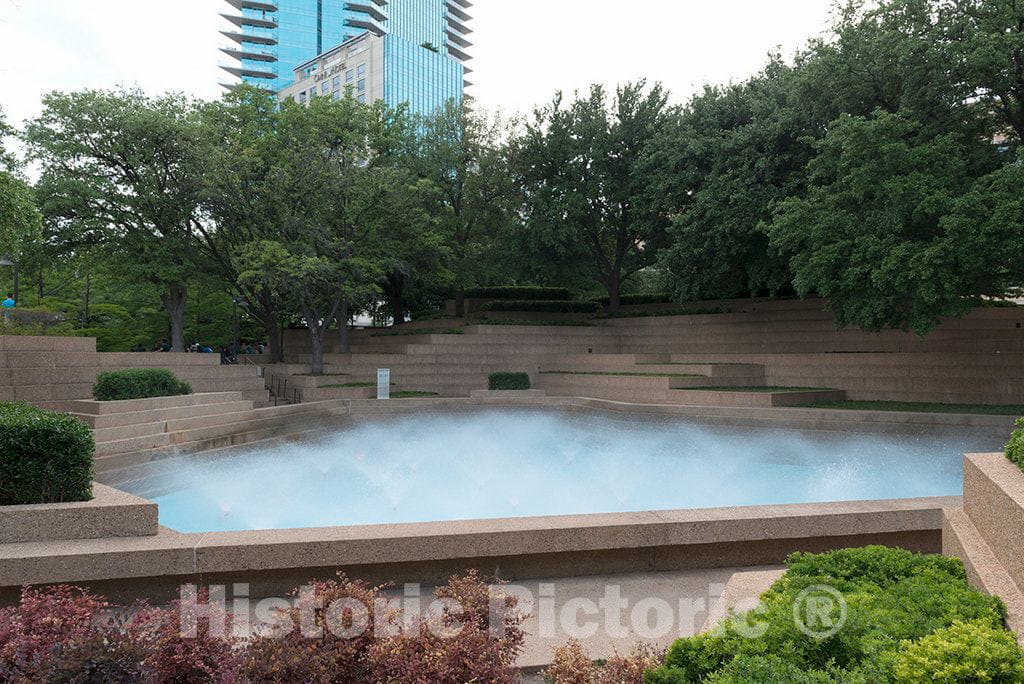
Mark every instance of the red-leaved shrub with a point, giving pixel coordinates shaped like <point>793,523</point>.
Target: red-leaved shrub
<point>44,625</point>
<point>332,655</point>
<point>176,657</point>
<point>64,634</point>
<point>458,645</point>
<point>571,665</point>
<point>341,631</point>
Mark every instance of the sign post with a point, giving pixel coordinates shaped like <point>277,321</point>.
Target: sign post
<point>383,383</point>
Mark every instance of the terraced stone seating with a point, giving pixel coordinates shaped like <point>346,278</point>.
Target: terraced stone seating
<point>51,371</point>
<point>785,344</point>
<point>154,427</point>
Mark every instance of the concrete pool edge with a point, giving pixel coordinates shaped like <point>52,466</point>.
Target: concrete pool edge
<point>273,562</point>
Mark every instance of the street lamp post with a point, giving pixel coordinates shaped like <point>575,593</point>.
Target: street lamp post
<point>234,323</point>
<point>235,302</point>
<point>8,261</point>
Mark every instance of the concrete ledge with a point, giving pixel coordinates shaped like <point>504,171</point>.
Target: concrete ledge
<point>765,399</point>
<point>960,538</point>
<point>96,408</point>
<point>111,513</point>
<point>994,502</point>
<point>278,560</point>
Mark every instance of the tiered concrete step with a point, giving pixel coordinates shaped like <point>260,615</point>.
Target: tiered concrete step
<point>233,429</point>
<point>644,389</point>
<point>961,539</point>
<point>766,398</point>
<point>125,426</point>
<point>49,371</point>
<point>983,378</point>
<point>806,327</point>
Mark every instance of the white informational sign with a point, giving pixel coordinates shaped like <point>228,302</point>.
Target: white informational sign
<point>383,383</point>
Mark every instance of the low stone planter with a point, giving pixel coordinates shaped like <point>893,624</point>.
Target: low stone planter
<point>111,513</point>
<point>508,394</point>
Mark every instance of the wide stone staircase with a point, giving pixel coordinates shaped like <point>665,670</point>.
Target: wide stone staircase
<point>661,379</point>
<point>129,432</point>
<point>561,361</point>
<point>792,347</point>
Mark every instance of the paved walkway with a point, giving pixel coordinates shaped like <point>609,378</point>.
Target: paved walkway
<point>613,613</point>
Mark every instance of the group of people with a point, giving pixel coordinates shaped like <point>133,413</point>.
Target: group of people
<point>228,352</point>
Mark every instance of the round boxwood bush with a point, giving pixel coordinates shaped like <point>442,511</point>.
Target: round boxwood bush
<point>45,457</point>
<point>138,383</point>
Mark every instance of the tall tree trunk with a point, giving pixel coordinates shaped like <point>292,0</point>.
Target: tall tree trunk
<point>267,312</point>
<point>174,302</point>
<point>397,304</point>
<point>614,285</point>
<point>277,352</point>
<point>460,303</point>
<point>344,335</point>
<point>316,347</point>
<point>273,333</point>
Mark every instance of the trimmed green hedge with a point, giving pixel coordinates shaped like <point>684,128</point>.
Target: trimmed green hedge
<point>518,292</point>
<point>667,312</point>
<point>543,306</point>
<point>138,383</point>
<point>637,299</point>
<point>45,457</point>
<point>1015,449</point>
<point>903,621</point>
<point>508,381</point>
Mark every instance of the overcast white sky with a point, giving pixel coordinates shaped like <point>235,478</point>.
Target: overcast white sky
<point>524,49</point>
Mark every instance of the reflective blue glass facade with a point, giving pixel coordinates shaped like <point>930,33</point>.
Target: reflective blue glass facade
<point>425,43</point>
<point>272,37</point>
<point>418,21</point>
<point>419,77</point>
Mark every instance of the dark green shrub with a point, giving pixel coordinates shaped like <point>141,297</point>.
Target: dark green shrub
<point>658,313</point>
<point>963,653</point>
<point>138,383</point>
<point>508,381</point>
<point>1015,449</point>
<point>45,457</point>
<point>638,299</point>
<point>540,306</point>
<point>890,596</point>
<point>778,671</point>
<point>517,292</point>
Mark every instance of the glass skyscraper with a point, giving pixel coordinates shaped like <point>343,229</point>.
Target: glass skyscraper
<point>425,43</point>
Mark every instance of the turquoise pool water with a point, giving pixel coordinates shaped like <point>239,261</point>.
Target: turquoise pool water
<point>497,464</point>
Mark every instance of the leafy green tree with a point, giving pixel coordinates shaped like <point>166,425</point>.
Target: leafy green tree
<point>982,44</point>
<point>872,235</point>
<point>580,167</point>
<point>243,198</point>
<point>20,219</point>
<point>334,203</point>
<point>462,155</point>
<point>716,168</point>
<point>126,169</point>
